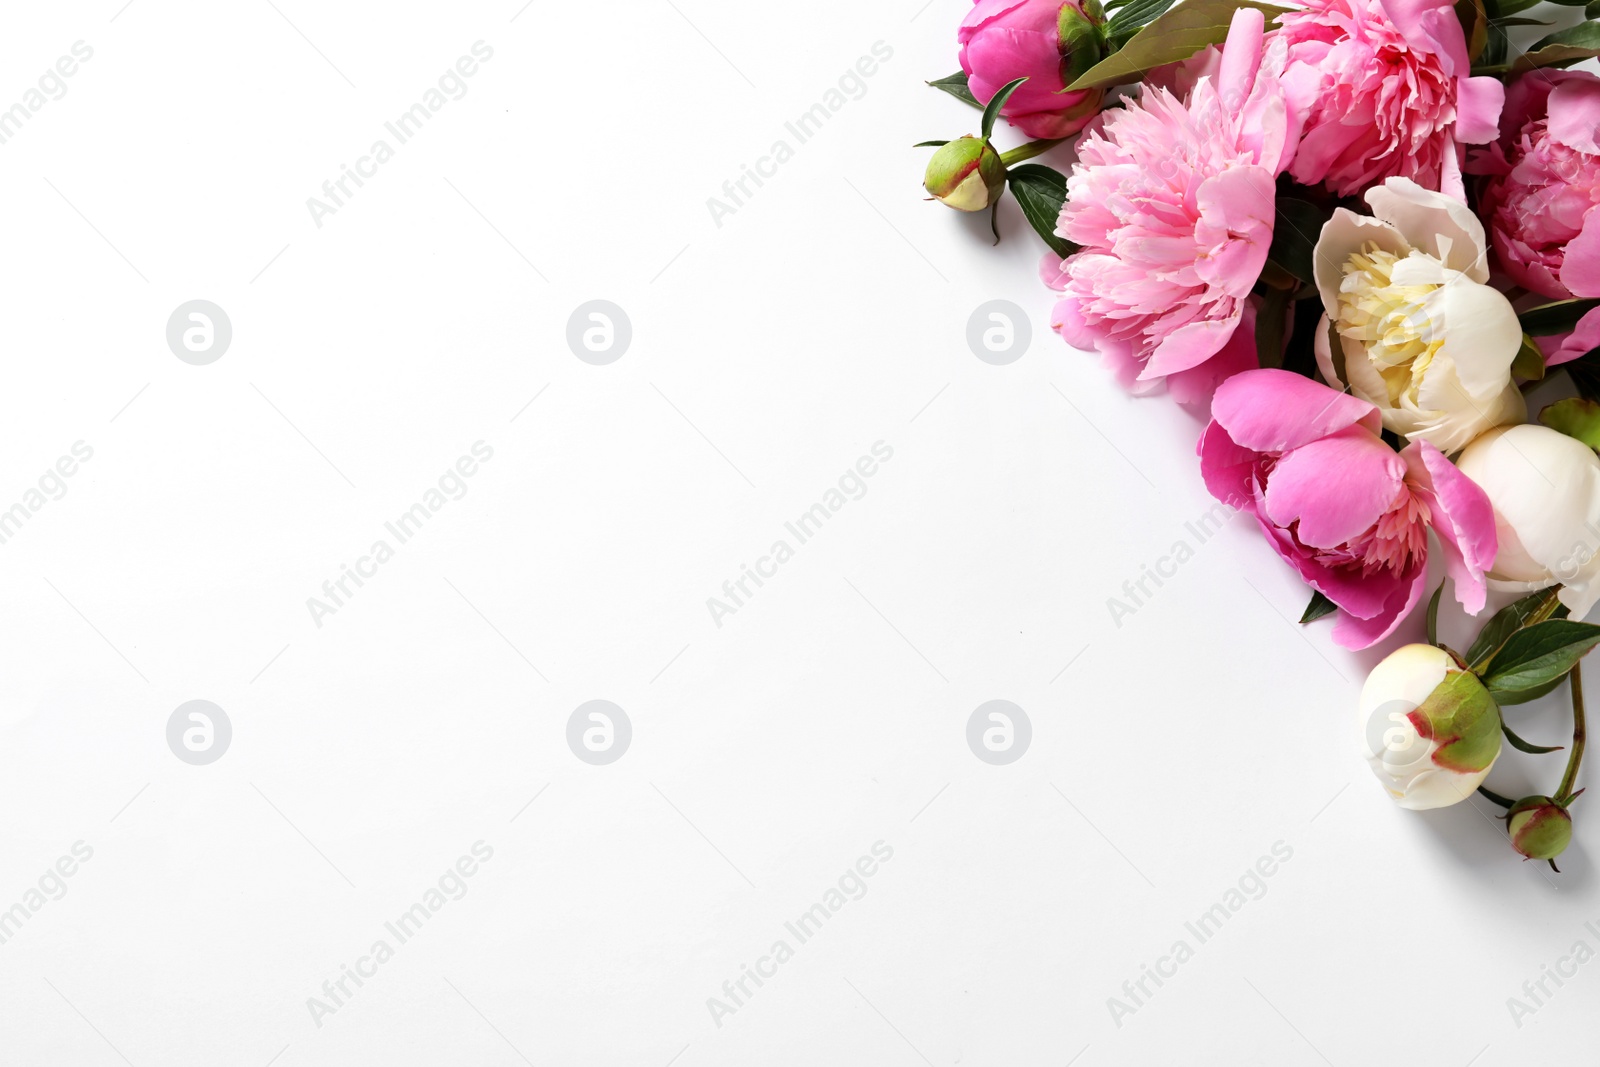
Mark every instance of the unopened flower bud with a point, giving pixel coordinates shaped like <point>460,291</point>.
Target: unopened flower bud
<point>1540,828</point>
<point>966,174</point>
<point>1430,730</point>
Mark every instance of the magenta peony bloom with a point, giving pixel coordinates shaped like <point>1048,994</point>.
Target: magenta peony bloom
<point>1542,195</point>
<point>1385,89</point>
<point>1041,40</point>
<point>1172,202</point>
<point>1339,505</point>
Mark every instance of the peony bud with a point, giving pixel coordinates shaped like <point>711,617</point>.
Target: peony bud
<point>1430,730</point>
<point>1049,42</point>
<point>1540,828</point>
<point>1545,488</point>
<point>966,174</point>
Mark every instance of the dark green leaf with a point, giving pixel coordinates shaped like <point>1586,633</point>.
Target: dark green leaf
<point>1575,417</point>
<point>996,102</point>
<point>1526,746</point>
<point>1041,192</point>
<point>1508,620</point>
<point>1529,364</point>
<point>1592,10</point>
<point>1561,48</point>
<point>1271,320</point>
<point>1511,7</point>
<point>1538,655</point>
<point>956,86</point>
<point>1319,606</point>
<point>1520,22</point>
<point>1547,320</point>
<point>930,144</point>
<point>1294,237</point>
<point>1134,17</point>
<point>1433,615</point>
<point>1526,696</point>
<point>1173,37</point>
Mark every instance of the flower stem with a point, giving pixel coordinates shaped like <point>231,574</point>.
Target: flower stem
<point>1579,736</point>
<point>1029,150</point>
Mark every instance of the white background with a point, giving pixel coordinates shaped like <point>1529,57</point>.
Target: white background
<point>829,312</point>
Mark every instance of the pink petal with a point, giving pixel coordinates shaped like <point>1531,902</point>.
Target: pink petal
<point>1478,105</point>
<point>1227,468</point>
<point>1580,270</point>
<point>1335,488</point>
<point>1574,109</point>
<point>1354,632</point>
<point>1272,410</point>
<point>1462,517</point>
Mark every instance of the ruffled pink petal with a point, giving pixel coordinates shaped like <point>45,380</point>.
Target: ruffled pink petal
<point>1272,410</point>
<point>1462,517</point>
<point>1334,489</point>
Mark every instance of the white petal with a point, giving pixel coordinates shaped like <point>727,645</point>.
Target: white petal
<point>1424,217</point>
<point>1343,235</point>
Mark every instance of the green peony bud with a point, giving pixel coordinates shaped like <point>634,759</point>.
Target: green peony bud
<point>1540,828</point>
<point>966,174</point>
<point>1083,42</point>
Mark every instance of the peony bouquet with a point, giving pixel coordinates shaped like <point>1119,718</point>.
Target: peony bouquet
<point>1352,235</point>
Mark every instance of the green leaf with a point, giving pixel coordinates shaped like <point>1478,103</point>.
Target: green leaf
<point>1526,746</point>
<point>1041,192</point>
<point>1134,17</point>
<point>1529,363</point>
<point>1294,237</point>
<point>956,86</point>
<point>1175,36</point>
<point>996,102</point>
<point>1520,22</point>
<point>1527,696</point>
<point>1319,606</point>
<point>1433,615</point>
<point>1592,10</point>
<point>1547,320</point>
<point>1575,417</point>
<point>1538,656</point>
<point>1271,319</point>
<point>1535,607</point>
<point>1558,49</point>
<point>930,144</point>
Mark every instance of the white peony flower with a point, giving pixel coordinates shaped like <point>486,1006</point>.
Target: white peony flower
<point>1422,336</point>
<point>1545,488</point>
<point>1429,729</point>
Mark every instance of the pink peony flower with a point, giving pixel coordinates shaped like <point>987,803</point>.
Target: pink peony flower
<point>1172,202</point>
<point>1341,506</point>
<point>1386,91</point>
<point>1542,195</point>
<point>1543,189</point>
<point>1003,40</point>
